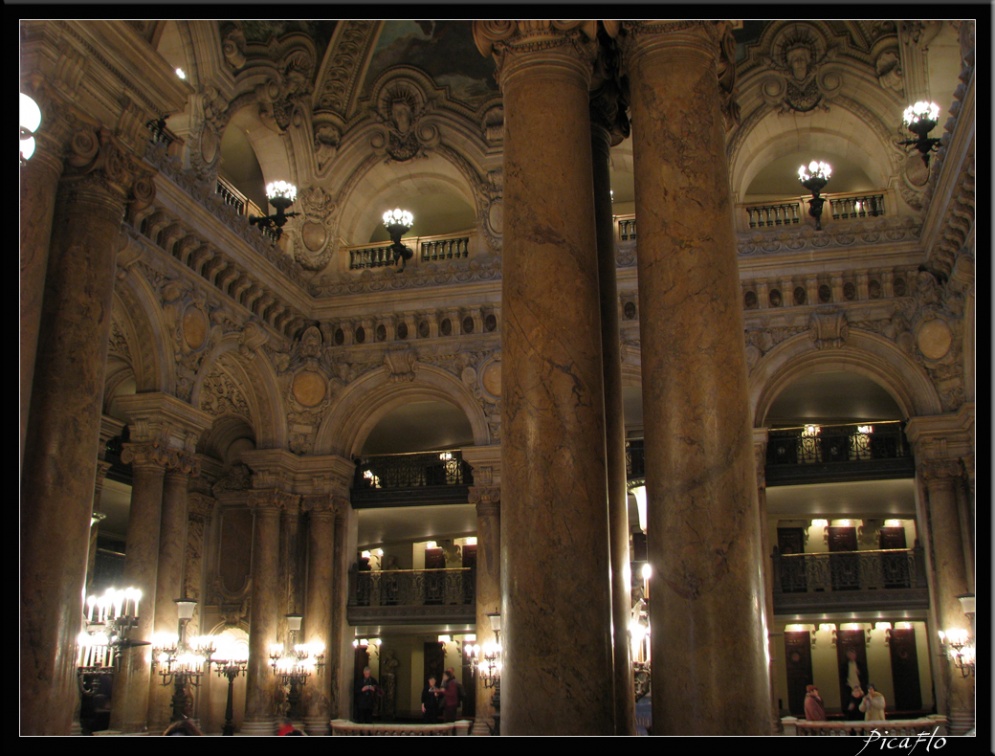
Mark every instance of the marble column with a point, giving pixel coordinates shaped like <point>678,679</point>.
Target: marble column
<point>609,125</point>
<point>487,590</point>
<point>61,440</point>
<point>318,607</point>
<point>941,478</point>
<point>169,575</point>
<point>708,615</point>
<point>760,436</point>
<point>265,609</point>
<point>554,528</point>
<point>130,702</point>
<point>341,652</point>
<point>39,188</point>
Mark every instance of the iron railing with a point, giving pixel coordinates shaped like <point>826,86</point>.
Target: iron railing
<point>397,480</point>
<point>409,588</point>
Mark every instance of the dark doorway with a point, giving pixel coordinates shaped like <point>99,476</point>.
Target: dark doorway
<point>894,567</point>
<point>792,541</point>
<point>845,569</point>
<point>848,641</point>
<point>361,659</point>
<point>905,669</point>
<point>798,657</point>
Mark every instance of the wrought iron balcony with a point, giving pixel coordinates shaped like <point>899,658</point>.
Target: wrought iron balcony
<point>398,480</point>
<point>386,596</point>
<point>815,454</point>
<point>850,580</point>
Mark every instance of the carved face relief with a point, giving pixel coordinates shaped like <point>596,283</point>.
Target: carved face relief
<point>799,60</point>
<point>401,115</point>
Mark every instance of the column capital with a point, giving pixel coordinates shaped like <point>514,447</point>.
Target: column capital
<point>272,499</point>
<point>95,155</point>
<point>509,39</point>
<point>931,470</point>
<point>201,506</point>
<point>487,499</point>
<point>147,454</point>
<point>707,37</point>
<point>165,419</point>
<point>319,504</point>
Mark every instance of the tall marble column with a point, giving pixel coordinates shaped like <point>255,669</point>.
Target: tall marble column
<point>708,616</point>
<point>265,609</point>
<point>130,703</point>
<point>609,125</point>
<point>340,650</point>
<point>169,575</point>
<point>39,187</point>
<point>318,607</point>
<point>554,479</point>
<point>62,438</point>
<point>487,590</point>
<point>95,518</point>
<point>946,544</point>
<point>760,436</point>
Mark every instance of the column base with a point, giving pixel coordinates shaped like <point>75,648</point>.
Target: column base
<point>961,721</point>
<point>480,727</point>
<point>258,727</point>
<point>317,725</point>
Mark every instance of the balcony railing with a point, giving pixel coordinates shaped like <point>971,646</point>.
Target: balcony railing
<point>838,452</point>
<point>406,595</point>
<point>878,578</point>
<point>776,214</point>
<point>857,206</point>
<point>430,249</point>
<point>935,726</point>
<point>439,477</point>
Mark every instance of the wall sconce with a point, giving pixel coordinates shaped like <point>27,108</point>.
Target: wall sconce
<point>281,195</point>
<point>921,119</point>
<point>30,117</point>
<point>815,178</point>
<point>181,664</point>
<point>398,222</point>
<point>295,665</point>
<point>959,648</point>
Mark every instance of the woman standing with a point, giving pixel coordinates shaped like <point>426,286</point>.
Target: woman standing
<point>450,695</point>
<point>873,704</point>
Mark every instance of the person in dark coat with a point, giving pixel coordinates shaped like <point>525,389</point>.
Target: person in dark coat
<point>430,702</point>
<point>367,689</point>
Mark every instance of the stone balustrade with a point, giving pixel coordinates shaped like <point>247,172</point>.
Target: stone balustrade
<point>460,728</point>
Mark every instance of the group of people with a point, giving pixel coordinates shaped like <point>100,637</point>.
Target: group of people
<point>868,705</point>
<point>446,697</point>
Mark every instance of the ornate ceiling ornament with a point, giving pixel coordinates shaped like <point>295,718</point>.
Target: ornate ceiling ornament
<point>314,249</point>
<point>403,134</point>
<point>800,80</point>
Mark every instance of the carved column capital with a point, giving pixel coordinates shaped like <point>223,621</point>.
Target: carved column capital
<point>319,504</point>
<point>272,500</point>
<point>509,40</point>
<point>932,470</point>
<point>712,38</point>
<point>95,155</point>
<point>148,454</point>
<point>487,499</point>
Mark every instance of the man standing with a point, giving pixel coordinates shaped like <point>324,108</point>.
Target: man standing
<point>367,689</point>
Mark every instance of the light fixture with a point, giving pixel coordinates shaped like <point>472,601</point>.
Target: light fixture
<point>108,621</point>
<point>814,178</point>
<point>181,664</point>
<point>281,195</point>
<point>398,222</point>
<point>296,664</point>
<point>921,119</point>
<point>30,118</point>
<point>958,645</point>
<point>231,660</point>
<point>181,73</point>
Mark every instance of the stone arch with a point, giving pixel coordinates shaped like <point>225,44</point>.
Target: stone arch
<point>142,362</point>
<point>255,377</point>
<point>367,400</point>
<point>866,354</point>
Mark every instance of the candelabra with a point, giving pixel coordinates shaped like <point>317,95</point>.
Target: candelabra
<point>296,665</point>
<point>921,119</point>
<point>179,664</point>
<point>489,664</point>
<point>230,660</point>
<point>108,622</point>
<point>815,179</point>
<point>281,195</point>
<point>398,222</point>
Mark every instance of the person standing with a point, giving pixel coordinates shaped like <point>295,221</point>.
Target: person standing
<point>450,695</point>
<point>367,689</point>
<point>814,710</point>
<point>430,702</point>
<point>873,704</point>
